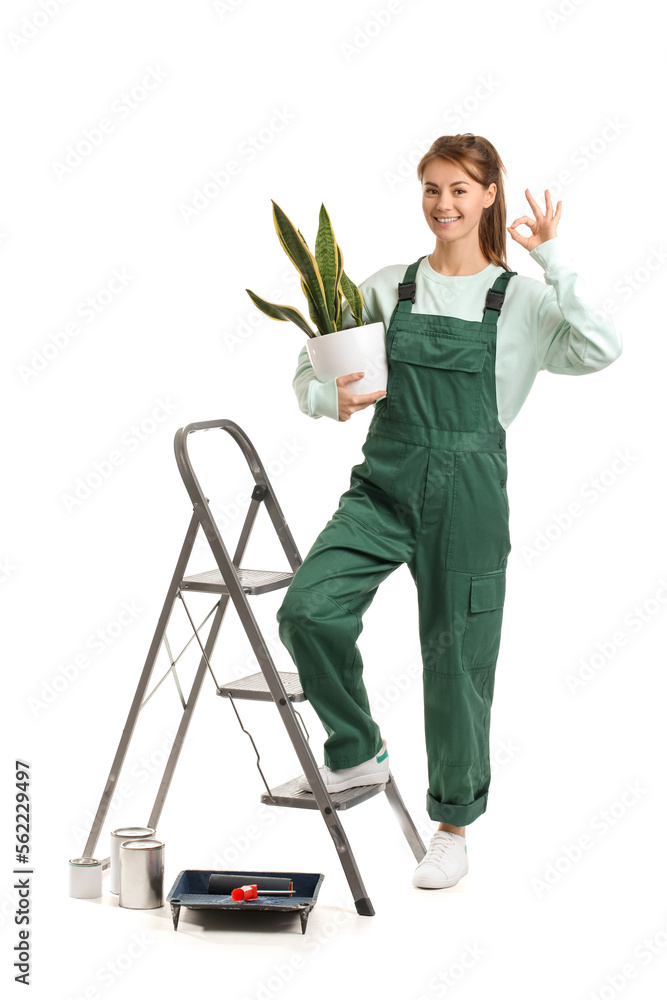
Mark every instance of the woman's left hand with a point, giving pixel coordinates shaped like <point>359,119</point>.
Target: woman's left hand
<point>543,226</point>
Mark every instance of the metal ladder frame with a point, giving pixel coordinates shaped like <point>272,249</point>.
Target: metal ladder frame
<point>230,580</point>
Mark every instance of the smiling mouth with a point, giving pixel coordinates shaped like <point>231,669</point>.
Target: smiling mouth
<point>447,220</point>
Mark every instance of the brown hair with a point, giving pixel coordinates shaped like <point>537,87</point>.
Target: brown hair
<point>479,158</point>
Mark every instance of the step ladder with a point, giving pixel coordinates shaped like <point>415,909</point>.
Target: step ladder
<point>229,579</point>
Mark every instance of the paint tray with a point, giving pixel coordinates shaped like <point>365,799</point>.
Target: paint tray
<point>191,885</point>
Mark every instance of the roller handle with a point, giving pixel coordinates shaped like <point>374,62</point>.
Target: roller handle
<point>222,883</point>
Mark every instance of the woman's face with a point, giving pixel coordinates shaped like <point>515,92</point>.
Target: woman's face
<point>448,192</point>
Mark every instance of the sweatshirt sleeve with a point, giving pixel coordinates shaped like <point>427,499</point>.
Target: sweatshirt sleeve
<point>315,398</point>
<point>571,336</point>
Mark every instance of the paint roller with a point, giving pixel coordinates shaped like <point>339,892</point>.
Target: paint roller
<point>220,883</point>
<point>252,892</point>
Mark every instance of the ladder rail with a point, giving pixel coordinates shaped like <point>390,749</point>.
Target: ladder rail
<point>274,682</point>
<point>248,524</point>
<point>201,512</point>
<point>144,680</point>
<point>229,569</point>
<point>257,469</point>
<point>186,717</point>
<point>240,598</point>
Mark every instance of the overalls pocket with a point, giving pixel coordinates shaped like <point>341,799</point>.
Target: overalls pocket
<point>371,497</point>
<point>435,380</point>
<point>479,537</point>
<point>481,640</point>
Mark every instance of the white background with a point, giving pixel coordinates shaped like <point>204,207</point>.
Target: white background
<point>360,92</point>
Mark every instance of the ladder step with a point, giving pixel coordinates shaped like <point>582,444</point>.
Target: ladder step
<point>253,581</point>
<point>290,794</point>
<point>255,688</point>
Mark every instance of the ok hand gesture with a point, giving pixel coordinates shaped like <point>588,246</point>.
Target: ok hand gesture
<point>543,226</point>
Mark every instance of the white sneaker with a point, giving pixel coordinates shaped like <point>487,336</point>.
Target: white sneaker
<point>445,862</point>
<point>374,771</point>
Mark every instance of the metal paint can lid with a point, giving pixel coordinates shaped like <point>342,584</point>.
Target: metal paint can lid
<point>125,832</point>
<point>142,845</point>
<point>85,862</point>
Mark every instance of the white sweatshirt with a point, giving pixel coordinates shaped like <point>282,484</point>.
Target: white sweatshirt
<point>552,327</point>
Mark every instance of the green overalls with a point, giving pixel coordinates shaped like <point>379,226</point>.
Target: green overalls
<point>430,492</point>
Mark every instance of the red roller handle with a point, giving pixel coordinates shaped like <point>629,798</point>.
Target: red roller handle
<point>244,892</point>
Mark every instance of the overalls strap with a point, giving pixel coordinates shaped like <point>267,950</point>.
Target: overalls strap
<point>407,287</point>
<point>494,296</point>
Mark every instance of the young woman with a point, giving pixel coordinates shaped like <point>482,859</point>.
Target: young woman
<point>465,339</point>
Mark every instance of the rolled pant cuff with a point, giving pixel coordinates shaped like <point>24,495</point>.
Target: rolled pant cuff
<point>456,815</point>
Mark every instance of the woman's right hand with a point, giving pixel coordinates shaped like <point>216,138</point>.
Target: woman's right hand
<point>348,402</point>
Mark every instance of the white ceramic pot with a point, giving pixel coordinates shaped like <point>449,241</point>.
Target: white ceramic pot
<point>358,349</point>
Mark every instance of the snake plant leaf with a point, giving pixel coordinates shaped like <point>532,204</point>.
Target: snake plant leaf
<point>326,255</point>
<point>276,311</point>
<point>338,300</point>
<point>305,263</point>
<point>354,298</point>
<point>312,307</point>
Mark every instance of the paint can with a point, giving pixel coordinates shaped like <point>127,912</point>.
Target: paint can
<point>141,874</point>
<point>117,838</point>
<point>85,878</point>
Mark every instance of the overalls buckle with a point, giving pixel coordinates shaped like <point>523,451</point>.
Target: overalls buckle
<point>494,300</point>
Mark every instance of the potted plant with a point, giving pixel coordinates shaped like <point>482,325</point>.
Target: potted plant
<point>332,350</point>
